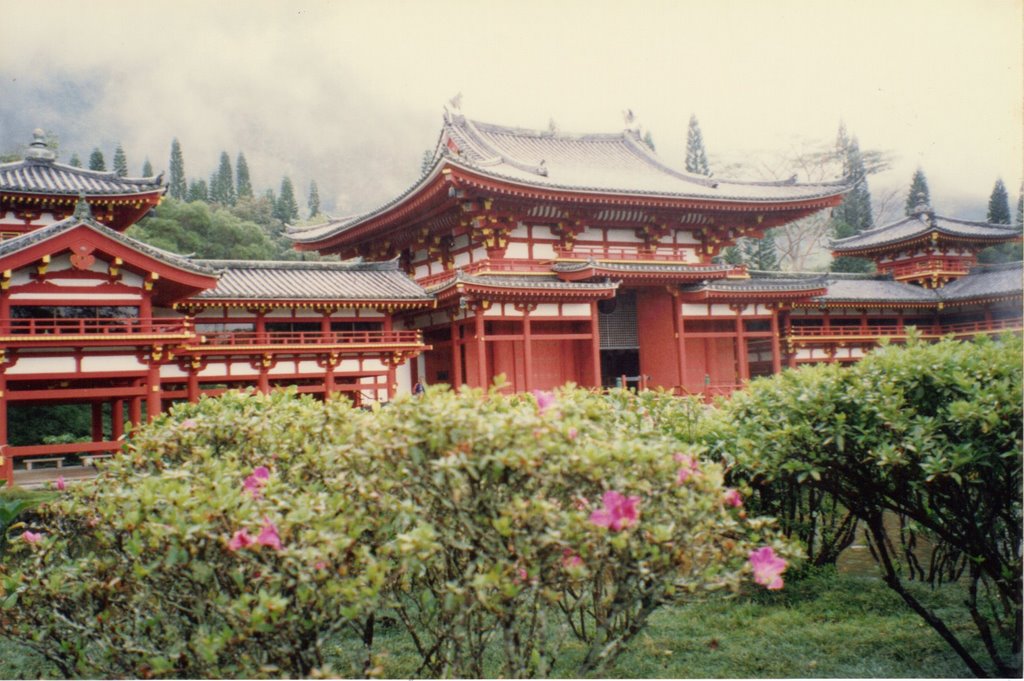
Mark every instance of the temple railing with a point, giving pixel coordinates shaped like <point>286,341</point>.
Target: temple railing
<point>927,266</point>
<point>634,254</point>
<point>241,339</point>
<point>45,330</point>
<point>874,331</point>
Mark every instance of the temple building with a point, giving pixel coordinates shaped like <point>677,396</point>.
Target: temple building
<point>541,256</point>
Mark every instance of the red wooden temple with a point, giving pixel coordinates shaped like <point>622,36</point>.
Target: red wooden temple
<point>542,256</point>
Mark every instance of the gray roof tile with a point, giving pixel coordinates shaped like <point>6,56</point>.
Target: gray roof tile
<point>921,224</point>
<point>984,281</point>
<point>45,176</point>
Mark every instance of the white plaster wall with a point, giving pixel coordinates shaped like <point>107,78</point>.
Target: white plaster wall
<point>543,251</point>
<point>546,310</point>
<point>461,259</point>
<point>403,377</point>
<point>517,250</point>
<point>694,309</point>
<point>42,365</point>
<point>111,363</point>
<point>576,310</point>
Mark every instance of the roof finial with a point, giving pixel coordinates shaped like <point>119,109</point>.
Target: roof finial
<point>456,102</point>
<point>82,210</point>
<point>923,209</point>
<point>37,150</point>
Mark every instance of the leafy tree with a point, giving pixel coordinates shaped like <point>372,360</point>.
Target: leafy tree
<point>178,186</point>
<point>999,204</point>
<point>120,162</point>
<point>222,183</point>
<point>75,161</point>
<point>209,232</point>
<point>696,156</point>
<point>287,208</point>
<point>314,200</point>
<point>198,191</point>
<point>918,194</point>
<point>96,161</point>
<point>147,169</point>
<point>929,434</point>
<point>243,184</point>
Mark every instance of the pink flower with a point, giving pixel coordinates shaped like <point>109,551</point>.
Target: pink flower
<point>545,400</point>
<point>732,498</point>
<point>31,537</point>
<point>572,433</point>
<point>255,482</point>
<point>239,540</point>
<point>768,567</point>
<point>689,468</point>
<point>60,484</point>
<point>571,559</point>
<point>581,503</point>
<point>188,424</point>
<point>618,512</point>
<point>320,565</point>
<point>268,535</point>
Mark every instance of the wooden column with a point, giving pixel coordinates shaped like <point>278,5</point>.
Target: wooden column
<point>527,350</point>
<point>117,419</point>
<point>153,393</point>
<point>135,411</point>
<point>791,358</point>
<point>899,321</point>
<point>481,346</point>
<point>193,383</point>
<point>595,346</point>
<point>325,323</point>
<point>678,325</point>
<point>329,364</point>
<point>456,355</point>
<point>263,379</point>
<point>97,421</point>
<point>741,347</point>
<point>776,344</point>
<point>8,465</point>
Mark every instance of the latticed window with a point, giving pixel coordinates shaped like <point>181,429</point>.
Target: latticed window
<point>618,325</point>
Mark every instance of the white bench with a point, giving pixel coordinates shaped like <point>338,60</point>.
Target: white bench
<point>58,460</point>
<point>90,459</point>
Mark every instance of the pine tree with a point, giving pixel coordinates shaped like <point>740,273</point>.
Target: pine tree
<point>1020,205</point>
<point>918,194</point>
<point>96,161</point>
<point>853,215</point>
<point>222,183</point>
<point>696,156</point>
<point>760,254</point>
<point>197,191</point>
<point>649,140</point>
<point>999,204</point>
<point>147,169</point>
<point>314,199</point>
<point>243,185</point>
<point>75,162</point>
<point>120,162</point>
<point>286,209</point>
<point>178,188</point>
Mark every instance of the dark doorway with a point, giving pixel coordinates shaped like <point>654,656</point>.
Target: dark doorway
<point>618,363</point>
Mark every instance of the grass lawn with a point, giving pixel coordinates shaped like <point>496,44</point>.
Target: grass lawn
<point>825,626</point>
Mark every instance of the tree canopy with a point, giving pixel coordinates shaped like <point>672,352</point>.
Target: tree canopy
<point>918,194</point>
<point>696,156</point>
<point>999,204</point>
<point>178,185</point>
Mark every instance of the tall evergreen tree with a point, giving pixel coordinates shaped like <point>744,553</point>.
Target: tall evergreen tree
<point>853,215</point>
<point>314,199</point>
<point>286,208</point>
<point>120,162</point>
<point>761,254</point>
<point>96,161</point>
<point>198,191</point>
<point>243,184</point>
<point>918,194</point>
<point>147,169</point>
<point>999,204</point>
<point>75,162</point>
<point>1020,205</point>
<point>178,187</point>
<point>696,156</point>
<point>222,183</point>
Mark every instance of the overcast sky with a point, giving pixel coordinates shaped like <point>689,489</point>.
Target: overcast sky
<point>351,93</point>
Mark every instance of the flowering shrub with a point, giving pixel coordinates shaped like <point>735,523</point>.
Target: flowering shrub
<point>510,511</point>
<point>170,565</point>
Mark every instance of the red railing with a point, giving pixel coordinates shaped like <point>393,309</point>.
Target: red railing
<point>489,265</point>
<point>91,326</point>
<point>244,338</point>
<point>892,330</point>
<point>929,265</point>
<point>628,254</point>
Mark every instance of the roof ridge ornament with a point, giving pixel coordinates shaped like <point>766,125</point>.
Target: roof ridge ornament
<point>82,209</point>
<point>38,151</point>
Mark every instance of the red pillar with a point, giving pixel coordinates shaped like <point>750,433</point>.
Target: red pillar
<point>595,346</point>
<point>741,349</point>
<point>481,347</point>
<point>8,464</point>
<point>776,345</point>
<point>527,351</point>
<point>329,364</point>
<point>263,381</point>
<point>153,393</point>
<point>456,355</point>
<point>193,384</point>
<point>135,411</point>
<point>679,324</point>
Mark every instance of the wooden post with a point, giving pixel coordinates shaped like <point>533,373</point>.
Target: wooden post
<point>8,465</point>
<point>135,411</point>
<point>97,422</point>
<point>456,356</point>
<point>481,346</point>
<point>678,324</point>
<point>527,350</point>
<point>595,346</point>
<point>776,344</point>
<point>117,420</point>
<point>742,364</point>
<point>193,384</point>
<point>153,393</point>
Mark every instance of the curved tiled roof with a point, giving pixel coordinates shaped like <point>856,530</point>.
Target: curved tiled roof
<point>986,281</point>
<point>45,176</point>
<point>617,163</point>
<point>544,282</point>
<point>668,268</point>
<point>295,280</point>
<point>924,223</point>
